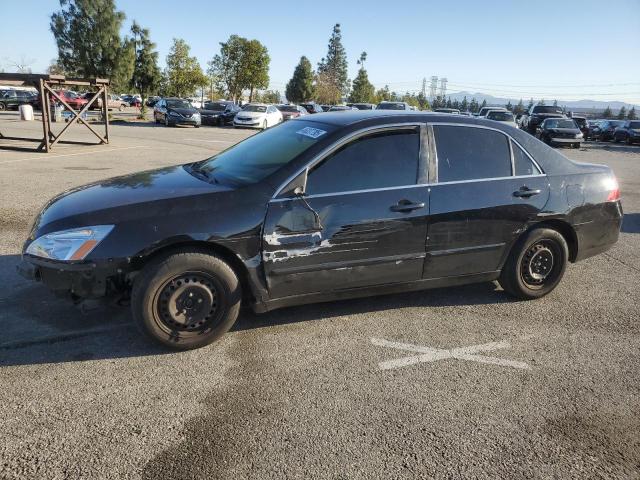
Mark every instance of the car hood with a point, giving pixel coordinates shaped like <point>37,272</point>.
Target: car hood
<point>564,130</point>
<point>251,114</point>
<point>183,111</point>
<point>120,197</point>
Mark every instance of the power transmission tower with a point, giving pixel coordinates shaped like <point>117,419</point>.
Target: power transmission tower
<point>424,88</point>
<point>443,87</point>
<point>433,87</point>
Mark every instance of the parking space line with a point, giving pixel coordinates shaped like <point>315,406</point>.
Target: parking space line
<point>430,354</point>
<point>209,141</point>
<point>47,157</point>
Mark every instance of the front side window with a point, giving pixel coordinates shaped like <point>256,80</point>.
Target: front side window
<point>522,165</point>
<point>468,153</point>
<point>380,160</point>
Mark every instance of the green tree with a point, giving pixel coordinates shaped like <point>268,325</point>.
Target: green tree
<point>519,108</point>
<point>326,90</point>
<point>622,113</point>
<point>268,96</point>
<point>448,104</point>
<point>632,114</point>
<point>509,106</point>
<point>363,90</point>
<point>183,73</point>
<point>300,87</point>
<point>473,106</point>
<point>383,94</point>
<point>607,112</point>
<point>530,104</point>
<point>256,67</point>
<point>484,104</point>
<point>146,73</point>
<point>334,66</point>
<point>87,34</point>
<point>541,102</point>
<point>464,104</point>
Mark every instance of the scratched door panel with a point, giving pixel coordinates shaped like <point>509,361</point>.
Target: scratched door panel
<point>361,241</point>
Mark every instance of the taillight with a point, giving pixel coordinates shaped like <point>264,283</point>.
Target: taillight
<point>611,184</point>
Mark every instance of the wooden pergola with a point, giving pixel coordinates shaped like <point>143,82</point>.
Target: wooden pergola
<point>46,86</point>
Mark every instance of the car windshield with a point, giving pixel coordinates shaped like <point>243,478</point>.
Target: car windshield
<point>255,108</point>
<point>218,107</point>
<point>287,108</point>
<point>262,154</point>
<point>178,104</point>
<point>391,106</point>
<point>560,123</point>
<point>363,106</point>
<point>545,109</point>
<point>634,125</point>
<point>500,116</point>
<point>617,123</point>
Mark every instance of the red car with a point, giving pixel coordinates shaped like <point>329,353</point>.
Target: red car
<point>74,100</point>
<point>291,111</point>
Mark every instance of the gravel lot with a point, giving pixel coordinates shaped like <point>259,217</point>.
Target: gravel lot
<point>303,392</point>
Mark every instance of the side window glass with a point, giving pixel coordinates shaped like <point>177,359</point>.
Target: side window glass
<point>522,165</point>
<point>381,160</point>
<point>467,153</point>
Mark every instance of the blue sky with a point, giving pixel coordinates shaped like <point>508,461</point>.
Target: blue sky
<point>552,49</point>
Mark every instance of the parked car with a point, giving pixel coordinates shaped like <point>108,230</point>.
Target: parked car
<point>219,113</point>
<point>325,207</point>
<point>341,108</point>
<point>196,102</point>
<point>114,102</point>
<point>312,107</point>
<point>607,128</point>
<point>74,100</point>
<point>151,101</point>
<point>393,106</point>
<point>560,131</point>
<point>505,117</point>
<point>484,110</point>
<point>594,129</point>
<point>583,125</point>
<point>453,111</point>
<point>176,111</point>
<point>532,119</point>
<point>132,100</point>
<point>326,108</point>
<point>258,115</point>
<point>628,132</point>
<point>364,106</point>
<point>291,111</point>
<point>12,99</point>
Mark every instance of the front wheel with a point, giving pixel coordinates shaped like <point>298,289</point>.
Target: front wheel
<point>186,300</point>
<point>535,265</point>
<point>2,107</point>
<point>264,125</point>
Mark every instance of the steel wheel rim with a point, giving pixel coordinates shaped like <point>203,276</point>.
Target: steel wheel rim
<point>190,303</point>
<point>540,263</point>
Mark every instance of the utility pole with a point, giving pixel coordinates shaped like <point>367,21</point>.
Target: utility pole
<point>443,87</point>
<point>433,87</point>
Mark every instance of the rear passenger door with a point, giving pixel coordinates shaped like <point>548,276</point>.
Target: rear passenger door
<point>487,190</point>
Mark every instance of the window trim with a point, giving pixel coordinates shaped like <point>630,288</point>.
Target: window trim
<point>423,159</point>
<point>510,139</point>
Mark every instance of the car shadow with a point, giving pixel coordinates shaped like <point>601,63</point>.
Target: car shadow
<point>38,327</point>
<point>614,147</point>
<point>631,223</point>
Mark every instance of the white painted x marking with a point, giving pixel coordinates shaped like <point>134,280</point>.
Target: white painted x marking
<point>429,354</point>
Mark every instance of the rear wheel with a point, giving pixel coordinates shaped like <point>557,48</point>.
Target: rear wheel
<point>186,300</point>
<point>535,265</point>
<point>264,125</point>
<point>2,106</point>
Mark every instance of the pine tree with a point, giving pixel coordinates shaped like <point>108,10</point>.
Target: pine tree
<point>555,103</point>
<point>183,73</point>
<point>448,104</point>
<point>300,87</point>
<point>256,66</point>
<point>146,73</point>
<point>87,34</point>
<point>383,94</point>
<point>632,114</point>
<point>484,104</point>
<point>363,91</point>
<point>464,105</point>
<point>334,66</point>
<point>473,106</point>
<point>509,106</point>
<point>622,113</point>
<point>607,112</point>
<point>530,105</point>
<point>519,108</point>
<point>541,102</point>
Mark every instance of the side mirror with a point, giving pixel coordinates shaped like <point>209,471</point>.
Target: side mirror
<point>298,191</point>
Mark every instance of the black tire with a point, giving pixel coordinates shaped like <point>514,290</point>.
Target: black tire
<point>629,142</point>
<point>166,284</point>
<point>616,139</point>
<point>535,265</point>
<point>2,107</point>
<point>121,108</point>
<point>220,122</point>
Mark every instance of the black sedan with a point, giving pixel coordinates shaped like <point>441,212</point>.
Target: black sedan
<point>560,131</point>
<point>325,207</point>
<point>629,132</point>
<point>607,128</point>
<point>218,113</point>
<point>176,111</point>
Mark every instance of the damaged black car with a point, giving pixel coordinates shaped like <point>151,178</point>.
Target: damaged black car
<point>326,207</point>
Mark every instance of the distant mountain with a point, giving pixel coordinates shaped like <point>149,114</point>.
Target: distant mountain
<point>570,104</point>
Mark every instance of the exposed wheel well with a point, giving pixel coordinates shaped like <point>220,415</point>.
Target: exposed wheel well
<point>566,230</point>
<point>225,253</point>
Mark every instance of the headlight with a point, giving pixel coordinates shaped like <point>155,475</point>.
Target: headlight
<point>74,244</point>
<point>174,114</point>
<point>579,135</point>
<point>196,114</point>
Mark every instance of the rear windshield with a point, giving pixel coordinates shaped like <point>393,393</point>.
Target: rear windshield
<point>287,108</point>
<point>218,107</point>
<point>546,109</point>
<point>178,104</point>
<point>262,154</point>
<point>255,108</point>
<point>391,106</point>
<point>500,116</point>
<point>363,106</point>
<point>560,123</point>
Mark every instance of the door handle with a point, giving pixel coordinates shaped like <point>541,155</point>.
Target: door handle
<point>406,206</point>
<point>526,192</point>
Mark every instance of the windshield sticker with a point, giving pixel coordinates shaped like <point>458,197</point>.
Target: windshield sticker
<point>311,132</point>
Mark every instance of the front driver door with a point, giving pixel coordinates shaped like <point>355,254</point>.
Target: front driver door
<point>362,222</point>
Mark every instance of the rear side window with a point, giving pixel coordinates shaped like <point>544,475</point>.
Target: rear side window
<point>381,160</point>
<point>467,153</point>
<point>522,164</point>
